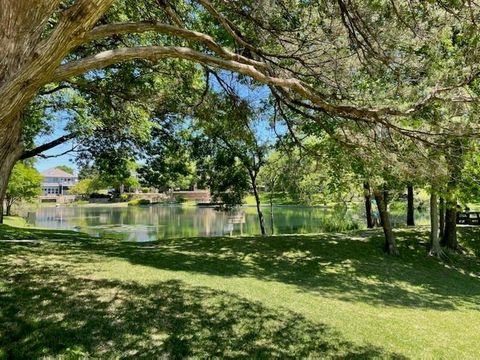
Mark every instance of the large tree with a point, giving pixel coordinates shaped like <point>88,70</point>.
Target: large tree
<point>371,61</point>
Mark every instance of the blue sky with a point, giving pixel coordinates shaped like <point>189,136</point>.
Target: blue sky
<point>43,164</point>
<point>61,118</point>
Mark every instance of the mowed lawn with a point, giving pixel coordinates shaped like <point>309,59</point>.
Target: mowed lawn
<point>319,296</point>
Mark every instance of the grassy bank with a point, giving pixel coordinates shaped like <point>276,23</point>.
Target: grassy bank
<point>278,199</point>
<point>328,295</point>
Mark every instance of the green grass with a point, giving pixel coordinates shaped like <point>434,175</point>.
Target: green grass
<point>278,199</point>
<point>319,296</point>
<point>16,221</point>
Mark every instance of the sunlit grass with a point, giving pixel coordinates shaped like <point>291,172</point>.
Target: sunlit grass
<point>16,221</point>
<point>321,296</point>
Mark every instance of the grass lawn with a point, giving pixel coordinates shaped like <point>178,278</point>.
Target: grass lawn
<point>319,296</point>
<point>278,199</point>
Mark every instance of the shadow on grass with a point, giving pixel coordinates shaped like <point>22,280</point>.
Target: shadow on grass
<point>337,265</point>
<point>51,310</point>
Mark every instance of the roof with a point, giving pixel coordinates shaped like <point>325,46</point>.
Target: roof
<point>55,172</point>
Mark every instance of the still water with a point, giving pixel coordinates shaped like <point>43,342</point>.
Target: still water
<point>138,223</point>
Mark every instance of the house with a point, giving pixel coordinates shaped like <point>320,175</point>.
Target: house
<point>56,182</point>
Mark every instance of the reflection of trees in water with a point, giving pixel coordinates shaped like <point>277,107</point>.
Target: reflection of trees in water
<point>153,222</point>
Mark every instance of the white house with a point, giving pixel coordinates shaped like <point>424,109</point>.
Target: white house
<point>57,182</point>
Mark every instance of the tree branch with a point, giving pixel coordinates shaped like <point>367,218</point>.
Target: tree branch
<point>60,154</point>
<point>103,31</point>
<point>153,53</point>
<point>110,57</point>
<point>50,145</point>
<point>53,90</point>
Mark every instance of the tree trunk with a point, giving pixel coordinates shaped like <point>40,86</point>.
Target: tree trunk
<point>271,218</point>
<point>455,164</point>
<point>271,208</point>
<point>10,150</point>
<point>441,213</point>
<point>9,209</point>
<point>390,245</point>
<point>368,205</point>
<point>410,209</point>
<point>257,201</point>
<point>450,233</point>
<point>435,248</point>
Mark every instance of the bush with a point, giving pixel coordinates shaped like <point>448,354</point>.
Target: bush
<point>145,190</point>
<point>139,202</point>
<point>180,199</point>
<point>123,198</point>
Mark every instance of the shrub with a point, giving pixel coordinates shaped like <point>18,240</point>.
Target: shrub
<point>180,199</point>
<point>123,198</point>
<point>139,202</point>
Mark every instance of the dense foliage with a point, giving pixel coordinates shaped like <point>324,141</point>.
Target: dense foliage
<point>24,185</point>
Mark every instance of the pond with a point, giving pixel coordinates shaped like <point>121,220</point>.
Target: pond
<point>147,223</point>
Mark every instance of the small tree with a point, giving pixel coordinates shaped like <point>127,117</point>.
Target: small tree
<point>230,123</point>
<point>24,185</point>
<point>86,186</point>
<point>228,180</point>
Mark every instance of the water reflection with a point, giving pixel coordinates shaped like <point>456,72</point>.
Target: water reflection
<point>155,222</point>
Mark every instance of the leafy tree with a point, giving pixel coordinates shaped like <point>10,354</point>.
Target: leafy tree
<point>24,185</point>
<point>87,186</point>
<point>356,61</point>
<point>119,173</point>
<point>169,163</point>
<point>228,182</point>
<point>229,122</point>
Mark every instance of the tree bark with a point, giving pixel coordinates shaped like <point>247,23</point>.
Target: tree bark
<point>390,244</point>
<point>435,248</point>
<point>368,205</point>
<point>272,231</point>
<point>410,206</point>
<point>261,219</point>
<point>28,61</point>
<point>385,196</point>
<point>9,209</point>
<point>455,163</point>
<point>271,208</point>
<point>450,234</point>
<point>10,150</point>
<point>441,213</point>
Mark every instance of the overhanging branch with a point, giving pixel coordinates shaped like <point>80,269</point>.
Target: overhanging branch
<point>153,53</point>
<point>104,31</point>
<point>47,146</point>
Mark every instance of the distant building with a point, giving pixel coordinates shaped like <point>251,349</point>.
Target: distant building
<point>56,182</point>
